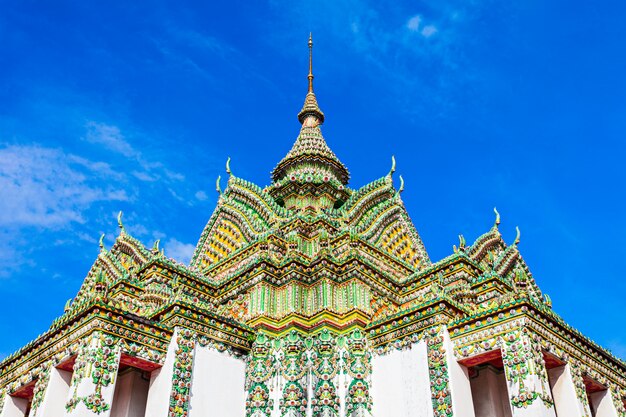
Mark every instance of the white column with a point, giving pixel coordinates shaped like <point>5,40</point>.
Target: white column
<point>131,392</point>
<point>566,401</point>
<point>160,390</point>
<point>602,404</point>
<point>55,395</point>
<point>13,406</point>
<point>460,388</point>
<point>218,384</point>
<point>341,381</point>
<point>92,386</point>
<point>276,393</point>
<point>526,377</point>
<point>400,383</point>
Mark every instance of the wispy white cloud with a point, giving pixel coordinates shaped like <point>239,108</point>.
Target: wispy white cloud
<point>101,168</point>
<point>110,137</point>
<point>197,50</point>
<point>178,250</point>
<point>414,23</point>
<point>429,31</point>
<point>202,196</point>
<point>44,191</point>
<point>143,176</point>
<point>44,187</point>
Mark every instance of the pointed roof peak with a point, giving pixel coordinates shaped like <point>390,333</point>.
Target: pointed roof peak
<point>310,63</point>
<point>310,148</point>
<point>311,109</point>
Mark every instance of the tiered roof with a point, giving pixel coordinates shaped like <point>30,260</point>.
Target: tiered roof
<point>333,258</point>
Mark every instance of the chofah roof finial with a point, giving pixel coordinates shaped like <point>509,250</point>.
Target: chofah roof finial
<point>461,242</point>
<point>228,171</point>
<point>119,221</point>
<point>393,165</point>
<point>155,247</point>
<point>497,223</point>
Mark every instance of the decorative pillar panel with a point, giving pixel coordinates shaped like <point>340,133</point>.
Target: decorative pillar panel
<point>325,364</point>
<point>181,376</point>
<point>50,400</point>
<point>358,368</point>
<point>527,378</point>
<point>325,375</point>
<point>259,373</point>
<point>93,381</point>
<point>618,396</point>
<point>566,400</point>
<point>460,387</point>
<point>400,383</point>
<point>439,377</point>
<point>293,369</point>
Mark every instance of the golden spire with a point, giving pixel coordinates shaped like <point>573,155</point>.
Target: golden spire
<point>310,63</point>
<point>310,107</point>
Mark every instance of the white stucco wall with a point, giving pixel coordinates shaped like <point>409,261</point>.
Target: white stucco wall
<point>602,404</point>
<point>56,394</point>
<point>161,383</point>
<point>14,407</point>
<point>401,383</point>
<point>218,384</point>
<point>566,401</point>
<point>460,387</point>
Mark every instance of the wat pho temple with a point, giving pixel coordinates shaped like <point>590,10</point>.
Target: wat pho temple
<point>309,298</point>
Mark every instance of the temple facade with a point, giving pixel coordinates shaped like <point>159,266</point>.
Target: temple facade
<point>310,298</point>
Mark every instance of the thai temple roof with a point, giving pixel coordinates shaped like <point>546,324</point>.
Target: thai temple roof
<point>308,263</point>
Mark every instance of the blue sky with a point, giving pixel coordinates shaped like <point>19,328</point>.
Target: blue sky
<point>108,106</point>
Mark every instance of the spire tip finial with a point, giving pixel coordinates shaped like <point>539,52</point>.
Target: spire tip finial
<point>311,107</point>
<point>310,62</point>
